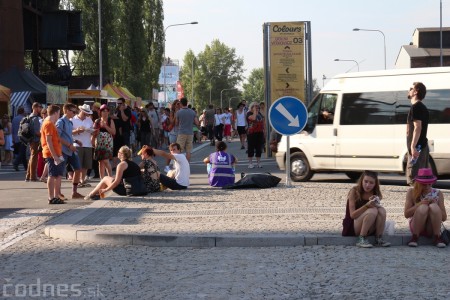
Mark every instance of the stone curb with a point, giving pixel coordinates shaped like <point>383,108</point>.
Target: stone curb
<point>156,240</point>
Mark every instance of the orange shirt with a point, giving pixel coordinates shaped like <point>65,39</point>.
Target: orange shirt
<point>48,128</point>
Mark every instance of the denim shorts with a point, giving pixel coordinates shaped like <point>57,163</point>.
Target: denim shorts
<point>55,170</point>
<point>73,160</point>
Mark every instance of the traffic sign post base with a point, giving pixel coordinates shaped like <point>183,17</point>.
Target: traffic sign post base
<point>288,163</point>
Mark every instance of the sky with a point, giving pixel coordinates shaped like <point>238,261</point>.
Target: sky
<point>238,24</point>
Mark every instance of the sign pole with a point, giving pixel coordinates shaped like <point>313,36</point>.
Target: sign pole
<point>288,162</point>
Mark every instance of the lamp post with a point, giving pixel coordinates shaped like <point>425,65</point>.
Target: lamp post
<point>192,80</point>
<point>229,101</point>
<point>384,40</point>
<point>440,35</point>
<point>337,59</point>
<point>164,54</point>
<point>100,54</point>
<point>221,95</point>
<point>210,85</point>
<point>323,80</point>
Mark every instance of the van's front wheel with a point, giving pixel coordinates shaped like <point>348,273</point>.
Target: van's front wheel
<point>300,169</point>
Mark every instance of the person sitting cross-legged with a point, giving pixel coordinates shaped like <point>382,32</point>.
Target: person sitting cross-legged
<point>125,169</point>
<point>220,166</point>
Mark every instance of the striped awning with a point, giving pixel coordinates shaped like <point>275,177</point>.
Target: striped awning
<point>19,98</point>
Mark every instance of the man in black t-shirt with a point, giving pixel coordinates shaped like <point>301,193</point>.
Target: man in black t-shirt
<point>123,121</point>
<point>416,132</point>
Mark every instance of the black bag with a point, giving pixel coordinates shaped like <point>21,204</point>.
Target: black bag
<point>255,180</point>
<point>135,186</point>
<point>348,228</point>
<point>26,131</point>
<point>445,234</point>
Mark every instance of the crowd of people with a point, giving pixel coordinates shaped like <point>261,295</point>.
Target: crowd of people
<point>81,142</point>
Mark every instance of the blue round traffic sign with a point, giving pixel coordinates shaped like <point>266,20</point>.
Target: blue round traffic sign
<point>288,115</point>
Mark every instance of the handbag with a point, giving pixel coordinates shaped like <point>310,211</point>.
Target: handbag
<point>135,186</point>
<point>348,228</point>
<point>445,234</point>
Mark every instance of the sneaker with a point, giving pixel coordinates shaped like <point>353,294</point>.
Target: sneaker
<point>242,147</point>
<point>16,168</point>
<point>259,166</point>
<point>363,242</point>
<point>77,196</point>
<point>379,242</point>
<point>413,242</point>
<point>251,166</point>
<point>438,242</point>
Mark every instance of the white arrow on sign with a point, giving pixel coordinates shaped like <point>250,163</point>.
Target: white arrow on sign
<point>287,115</point>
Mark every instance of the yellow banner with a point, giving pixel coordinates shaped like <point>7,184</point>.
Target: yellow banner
<point>287,60</point>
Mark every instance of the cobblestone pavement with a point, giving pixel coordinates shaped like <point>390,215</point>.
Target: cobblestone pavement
<point>39,265</point>
<point>35,266</point>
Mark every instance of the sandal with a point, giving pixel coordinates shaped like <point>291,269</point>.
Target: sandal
<point>83,184</point>
<point>55,201</point>
<point>62,197</point>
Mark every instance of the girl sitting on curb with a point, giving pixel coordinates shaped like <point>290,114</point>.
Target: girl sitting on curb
<point>425,209</point>
<point>366,211</point>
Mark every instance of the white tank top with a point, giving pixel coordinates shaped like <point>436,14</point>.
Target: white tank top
<point>240,118</point>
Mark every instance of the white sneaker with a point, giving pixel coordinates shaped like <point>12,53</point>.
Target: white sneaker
<point>251,166</point>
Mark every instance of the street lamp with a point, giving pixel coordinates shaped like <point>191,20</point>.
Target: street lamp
<point>164,53</point>
<point>337,59</point>
<point>192,80</point>
<point>384,40</point>
<point>440,34</point>
<point>323,80</point>
<point>100,54</point>
<point>221,104</point>
<point>229,101</point>
<point>210,85</point>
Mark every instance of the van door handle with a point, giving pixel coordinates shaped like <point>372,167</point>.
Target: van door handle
<point>335,131</point>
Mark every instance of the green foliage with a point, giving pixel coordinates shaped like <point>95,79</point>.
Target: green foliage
<point>132,39</point>
<point>216,68</point>
<point>254,88</point>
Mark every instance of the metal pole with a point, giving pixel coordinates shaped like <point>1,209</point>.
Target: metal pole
<point>441,57</point>
<point>192,81</point>
<point>100,54</point>
<point>288,162</point>
<point>309,63</point>
<point>357,64</point>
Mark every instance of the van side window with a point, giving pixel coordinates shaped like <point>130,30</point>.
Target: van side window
<point>378,108</point>
<point>437,102</point>
<point>368,108</point>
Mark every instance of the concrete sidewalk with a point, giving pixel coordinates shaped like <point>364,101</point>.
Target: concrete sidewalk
<point>304,215</point>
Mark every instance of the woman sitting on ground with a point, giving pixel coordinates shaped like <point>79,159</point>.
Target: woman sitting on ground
<point>149,169</point>
<point>425,209</point>
<point>125,169</point>
<point>220,166</point>
<point>366,211</point>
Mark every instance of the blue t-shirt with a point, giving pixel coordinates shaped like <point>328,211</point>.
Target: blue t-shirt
<point>65,128</point>
<point>186,117</point>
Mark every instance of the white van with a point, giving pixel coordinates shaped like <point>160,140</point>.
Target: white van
<point>366,124</point>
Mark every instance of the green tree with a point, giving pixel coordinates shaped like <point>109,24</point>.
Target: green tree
<point>254,88</point>
<point>216,68</point>
<point>132,38</point>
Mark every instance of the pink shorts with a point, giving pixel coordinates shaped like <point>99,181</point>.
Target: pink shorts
<point>227,130</point>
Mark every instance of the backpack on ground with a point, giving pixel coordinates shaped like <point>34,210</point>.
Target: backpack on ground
<point>26,131</point>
